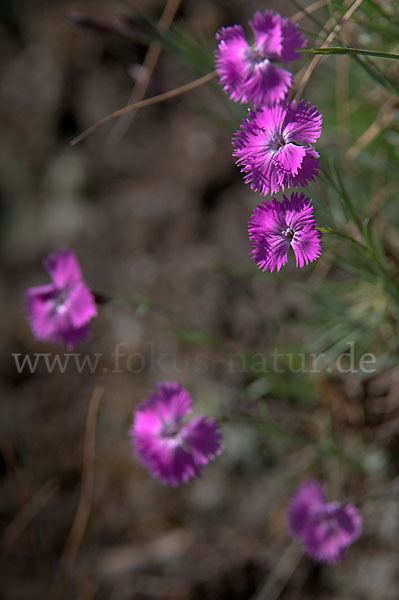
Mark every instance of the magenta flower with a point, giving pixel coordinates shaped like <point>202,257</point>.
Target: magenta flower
<point>171,451</point>
<point>325,529</point>
<point>61,311</point>
<point>249,73</point>
<point>274,148</point>
<point>275,226</point>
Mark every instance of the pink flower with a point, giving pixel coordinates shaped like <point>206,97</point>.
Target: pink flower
<point>325,529</point>
<point>274,148</point>
<point>249,73</point>
<point>275,226</point>
<point>171,451</point>
<point>61,311</point>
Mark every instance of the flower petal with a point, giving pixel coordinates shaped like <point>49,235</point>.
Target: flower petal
<point>253,144</point>
<point>350,525</point>
<point>266,85</point>
<point>170,402</point>
<point>303,123</point>
<point>310,168</point>
<point>292,39</point>
<point>81,305</point>
<point>265,231</point>
<point>288,160</point>
<point>39,308</point>
<point>268,33</point>
<point>306,246</point>
<point>332,530</point>
<point>309,495</point>
<point>165,460</point>
<point>298,212</point>
<point>231,60</point>
<point>63,268</point>
<point>202,437</point>
<point>72,336</point>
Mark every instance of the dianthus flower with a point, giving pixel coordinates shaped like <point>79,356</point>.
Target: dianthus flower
<point>249,73</point>
<point>325,529</point>
<point>275,226</point>
<point>274,148</point>
<point>61,311</point>
<point>171,451</point>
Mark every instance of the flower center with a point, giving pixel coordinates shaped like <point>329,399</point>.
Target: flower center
<point>326,517</point>
<point>289,233</point>
<point>255,56</point>
<point>276,142</point>
<point>331,525</point>
<point>60,302</point>
<point>170,430</point>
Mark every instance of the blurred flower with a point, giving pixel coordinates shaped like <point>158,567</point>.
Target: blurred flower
<point>273,146</point>
<point>171,451</point>
<point>275,226</point>
<point>325,529</point>
<point>248,73</point>
<point>61,311</point>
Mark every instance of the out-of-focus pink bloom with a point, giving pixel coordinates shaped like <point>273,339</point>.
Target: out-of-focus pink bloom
<point>171,451</point>
<point>325,529</point>
<point>60,311</point>
<point>250,73</point>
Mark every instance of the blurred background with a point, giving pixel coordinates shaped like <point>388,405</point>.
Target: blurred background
<point>157,212</point>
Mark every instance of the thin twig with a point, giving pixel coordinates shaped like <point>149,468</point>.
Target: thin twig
<point>308,10</point>
<point>21,488</point>
<point>383,119</point>
<point>317,60</point>
<point>14,471</point>
<point>342,94</point>
<point>28,512</point>
<point>143,103</point>
<point>275,582</point>
<point>86,493</point>
<point>147,69</point>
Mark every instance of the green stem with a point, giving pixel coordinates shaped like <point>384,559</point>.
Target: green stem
<point>346,201</point>
<point>268,425</point>
<point>394,495</point>
<point>357,51</point>
<point>342,235</point>
<point>370,252</point>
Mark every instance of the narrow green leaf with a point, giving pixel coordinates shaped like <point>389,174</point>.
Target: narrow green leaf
<point>358,51</point>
